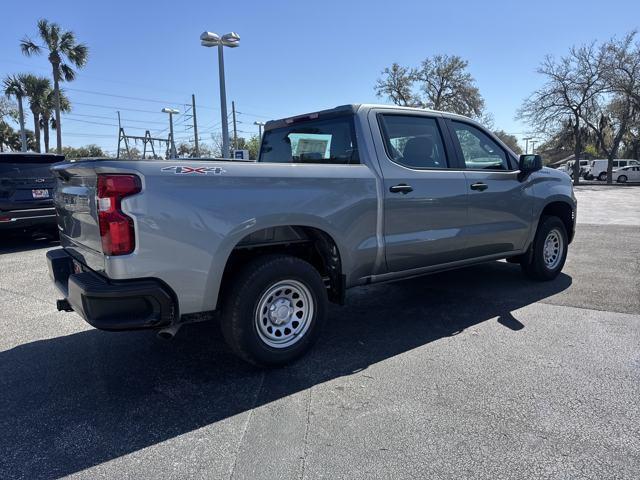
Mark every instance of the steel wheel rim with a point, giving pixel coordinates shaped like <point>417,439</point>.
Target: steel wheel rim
<point>283,313</point>
<point>553,249</point>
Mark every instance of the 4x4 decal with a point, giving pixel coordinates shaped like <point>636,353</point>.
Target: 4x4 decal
<point>186,170</point>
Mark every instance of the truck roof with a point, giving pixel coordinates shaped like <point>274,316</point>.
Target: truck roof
<point>350,109</point>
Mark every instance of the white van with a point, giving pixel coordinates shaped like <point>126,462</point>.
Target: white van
<point>568,167</point>
<point>598,168</point>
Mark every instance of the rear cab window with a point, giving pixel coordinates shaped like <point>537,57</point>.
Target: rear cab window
<point>321,141</point>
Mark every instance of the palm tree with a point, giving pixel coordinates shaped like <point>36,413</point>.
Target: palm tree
<point>62,46</point>
<point>36,89</point>
<point>14,86</point>
<point>48,107</point>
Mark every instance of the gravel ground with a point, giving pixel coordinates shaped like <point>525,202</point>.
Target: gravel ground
<point>473,373</point>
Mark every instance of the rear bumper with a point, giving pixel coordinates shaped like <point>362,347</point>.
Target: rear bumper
<point>109,304</point>
<point>32,217</point>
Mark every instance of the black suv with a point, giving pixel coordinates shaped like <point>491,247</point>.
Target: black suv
<point>26,191</point>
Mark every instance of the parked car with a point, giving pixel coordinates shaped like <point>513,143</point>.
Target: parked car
<point>598,168</point>
<point>627,174</point>
<point>26,191</point>
<point>350,196</point>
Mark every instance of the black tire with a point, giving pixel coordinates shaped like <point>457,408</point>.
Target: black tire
<point>603,177</point>
<point>240,323</point>
<point>533,262</point>
<point>622,179</point>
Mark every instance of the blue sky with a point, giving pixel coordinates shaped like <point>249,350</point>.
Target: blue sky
<point>295,56</point>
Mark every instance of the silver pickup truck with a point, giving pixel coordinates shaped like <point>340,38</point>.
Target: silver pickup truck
<point>344,197</point>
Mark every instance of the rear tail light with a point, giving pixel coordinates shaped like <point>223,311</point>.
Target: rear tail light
<point>116,229</point>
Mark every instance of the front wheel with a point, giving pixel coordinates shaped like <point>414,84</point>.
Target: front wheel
<point>548,252</point>
<point>274,310</point>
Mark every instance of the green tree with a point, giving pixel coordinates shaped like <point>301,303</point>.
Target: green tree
<point>64,52</point>
<point>253,145</point>
<point>48,107</point>
<point>509,140</point>
<point>83,152</point>
<point>36,89</point>
<point>14,87</point>
<point>12,140</point>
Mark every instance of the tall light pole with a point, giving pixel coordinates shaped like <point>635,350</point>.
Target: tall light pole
<point>260,125</point>
<point>171,111</point>
<point>231,40</point>
<point>526,148</point>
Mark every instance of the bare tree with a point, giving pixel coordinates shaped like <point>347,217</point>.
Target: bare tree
<point>612,113</point>
<point>396,84</point>
<point>442,81</point>
<point>572,85</point>
<point>448,86</point>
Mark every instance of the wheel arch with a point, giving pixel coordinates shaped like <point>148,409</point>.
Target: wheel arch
<point>311,243</point>
<point>564,211</point>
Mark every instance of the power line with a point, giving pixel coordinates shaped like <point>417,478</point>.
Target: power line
<point>110,107</point>
<point>111,118</point>
<point>139,99</point>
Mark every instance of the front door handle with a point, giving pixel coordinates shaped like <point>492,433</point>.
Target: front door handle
<point>401,188</point>
<point>479,186</point>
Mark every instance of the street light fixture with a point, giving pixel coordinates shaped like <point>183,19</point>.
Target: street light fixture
<point>231,40</point>
<point>171,112</point>
<point>260,125</point>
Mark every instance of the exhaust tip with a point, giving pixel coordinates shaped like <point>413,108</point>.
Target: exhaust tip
<point>169,332</point>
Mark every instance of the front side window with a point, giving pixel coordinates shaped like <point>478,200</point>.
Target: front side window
<point>478,149</point>
<point>313,141</point>
<point>414,141</point>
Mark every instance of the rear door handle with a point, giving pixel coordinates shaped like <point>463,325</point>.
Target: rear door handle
<point>401,188</point>
<point>479,186</point>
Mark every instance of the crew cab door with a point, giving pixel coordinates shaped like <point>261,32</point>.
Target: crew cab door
<point>425,201</point>
<point>500,205</point>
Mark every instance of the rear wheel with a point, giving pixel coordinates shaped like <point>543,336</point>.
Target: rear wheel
<point>603,177</point>
<point>548,252</point>
<point>274,310</point>
<point>622,179</point>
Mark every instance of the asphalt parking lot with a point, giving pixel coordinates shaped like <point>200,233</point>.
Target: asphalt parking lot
<point>476,373</point>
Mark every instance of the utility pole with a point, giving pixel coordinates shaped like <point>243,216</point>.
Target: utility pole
<point>195,125</point>
<point>235,129</point>
<point>533,146</point>
<point>526,148</point>
<point>171,112</point>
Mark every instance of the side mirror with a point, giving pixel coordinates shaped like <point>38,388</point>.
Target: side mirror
<point>529,164</point>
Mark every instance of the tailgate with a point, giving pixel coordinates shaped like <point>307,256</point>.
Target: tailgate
<point>25,184</point>
<point>76,210</point>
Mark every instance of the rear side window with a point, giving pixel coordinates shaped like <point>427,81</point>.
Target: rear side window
<point>317,141</point>
<point>478,149</point>
<point>413,141</point>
